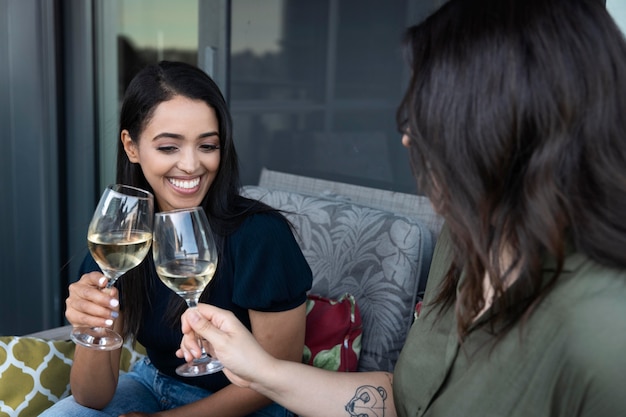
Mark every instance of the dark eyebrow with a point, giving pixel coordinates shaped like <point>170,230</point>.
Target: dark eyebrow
<point>177,136</point>
<point>167,135</point>
<point>208,134</point>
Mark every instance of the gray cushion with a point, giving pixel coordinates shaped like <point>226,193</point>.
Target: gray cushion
<point>377,256</point>
<point>410,205</point>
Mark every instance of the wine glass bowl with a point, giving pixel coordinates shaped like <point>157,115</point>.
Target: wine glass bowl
<point>118,237</point>
<point>187,277</point>
<point>185,257</point>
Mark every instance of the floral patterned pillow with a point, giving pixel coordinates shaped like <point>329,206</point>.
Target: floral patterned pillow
<point>377,256</point>
<point>333,333</point>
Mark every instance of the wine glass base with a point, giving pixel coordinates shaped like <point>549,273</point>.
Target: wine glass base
<point>199,367</point>
<point>99,338</point>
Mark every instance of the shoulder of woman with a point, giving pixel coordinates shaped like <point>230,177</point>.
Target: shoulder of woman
<point>262,223</point>
<point>593,315</point>
<point>593,351</point>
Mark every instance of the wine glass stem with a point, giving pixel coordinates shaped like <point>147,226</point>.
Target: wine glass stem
<point>111,277</point>
<point>193,303</point>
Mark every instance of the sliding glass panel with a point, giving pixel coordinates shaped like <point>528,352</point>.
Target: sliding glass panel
<point>131,34</point>
<point>155,30</point>
<point>313,85</point>
<point>314,89</point>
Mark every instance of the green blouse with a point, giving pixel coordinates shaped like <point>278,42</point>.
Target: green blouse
<point>568,359</point>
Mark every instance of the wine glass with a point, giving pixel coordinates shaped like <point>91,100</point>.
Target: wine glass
<point>185,257</point>
<point>119,237</point>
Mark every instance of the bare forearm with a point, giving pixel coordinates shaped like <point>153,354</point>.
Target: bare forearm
<point>94,375</point>
<point>309,391</point>
<point>303,389</point>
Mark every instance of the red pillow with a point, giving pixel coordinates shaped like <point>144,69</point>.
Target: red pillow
<point>333,333</point>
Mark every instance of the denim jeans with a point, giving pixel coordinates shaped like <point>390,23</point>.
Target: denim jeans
<point>147,390</point>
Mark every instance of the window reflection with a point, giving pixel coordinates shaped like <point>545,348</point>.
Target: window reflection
<point>153,30</point>
<point>314,87</point>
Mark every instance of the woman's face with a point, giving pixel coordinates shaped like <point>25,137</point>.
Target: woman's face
<point>178,152</point>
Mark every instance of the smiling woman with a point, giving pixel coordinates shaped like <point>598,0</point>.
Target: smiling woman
<point>175,140</point>
<point>178,150</point>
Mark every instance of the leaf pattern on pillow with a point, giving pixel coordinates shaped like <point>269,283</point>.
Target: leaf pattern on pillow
<point>328,359</point>
<point>375,255</point>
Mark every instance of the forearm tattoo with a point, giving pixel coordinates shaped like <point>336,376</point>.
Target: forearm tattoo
<point>368,401</point>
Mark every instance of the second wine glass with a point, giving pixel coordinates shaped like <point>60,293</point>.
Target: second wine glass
<point>185,257</point>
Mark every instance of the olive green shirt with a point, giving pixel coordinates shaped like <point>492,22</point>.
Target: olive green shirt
<point>568,359</point>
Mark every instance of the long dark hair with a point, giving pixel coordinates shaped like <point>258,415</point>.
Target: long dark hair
<point>516,115</point>
<point>224,205</point>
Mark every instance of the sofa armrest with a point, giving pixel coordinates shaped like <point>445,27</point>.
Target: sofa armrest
<point>56,333</point>
<point>35,369</point>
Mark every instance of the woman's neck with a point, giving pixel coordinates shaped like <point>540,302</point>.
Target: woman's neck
<point>489,293</point>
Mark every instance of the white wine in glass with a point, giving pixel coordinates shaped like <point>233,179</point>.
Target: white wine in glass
<point>185,257</point>
<point>187,277</point>
<point>118,238</point>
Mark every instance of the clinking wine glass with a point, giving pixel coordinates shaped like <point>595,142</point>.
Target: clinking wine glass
<point>185,257</point>
<point>119,237</point>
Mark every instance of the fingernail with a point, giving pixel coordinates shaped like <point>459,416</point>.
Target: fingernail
<point>102,280</point>
<point>115,314</point>
<point>114,302</point>
<point>108,322</point>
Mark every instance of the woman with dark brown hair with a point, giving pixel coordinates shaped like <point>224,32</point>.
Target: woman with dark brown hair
<point>176,141</point>
<point>515,120</point>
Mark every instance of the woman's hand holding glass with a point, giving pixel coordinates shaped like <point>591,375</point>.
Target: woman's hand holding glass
<point>227,339</point>
<point>119,237</point>
<point>88,306</point>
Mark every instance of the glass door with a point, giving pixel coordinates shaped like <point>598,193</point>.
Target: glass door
<point>129,35</point>
<point>313,85</point>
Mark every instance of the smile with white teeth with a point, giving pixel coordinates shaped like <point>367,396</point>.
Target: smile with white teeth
<point>186,184</point>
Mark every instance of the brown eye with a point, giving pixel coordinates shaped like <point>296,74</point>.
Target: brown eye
<point>209,147</point>
<point>167,149</point>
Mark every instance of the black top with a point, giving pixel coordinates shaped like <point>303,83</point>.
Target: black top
<point>262,268</point>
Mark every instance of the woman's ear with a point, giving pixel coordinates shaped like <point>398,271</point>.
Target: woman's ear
<point>129,146</point>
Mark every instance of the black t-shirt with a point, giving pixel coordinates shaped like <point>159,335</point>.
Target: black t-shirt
<point>262,268</point>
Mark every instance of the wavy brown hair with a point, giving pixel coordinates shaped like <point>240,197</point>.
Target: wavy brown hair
<point>516,115</point>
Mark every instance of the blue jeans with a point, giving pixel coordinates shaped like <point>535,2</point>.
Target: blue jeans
<point>147,390</point>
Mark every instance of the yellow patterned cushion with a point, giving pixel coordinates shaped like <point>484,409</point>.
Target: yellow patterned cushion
<point>35,373</point>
